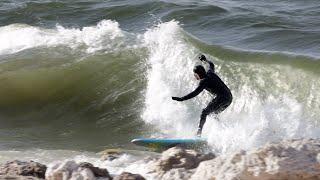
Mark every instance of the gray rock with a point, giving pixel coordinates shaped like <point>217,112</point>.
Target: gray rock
<point>21,168</point>
<point>128,176</point>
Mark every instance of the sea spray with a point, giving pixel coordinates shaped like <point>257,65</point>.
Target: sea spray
<point>262,110</point>
<point>170,63</point>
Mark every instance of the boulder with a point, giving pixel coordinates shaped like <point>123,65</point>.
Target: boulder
<point>177,157</point>
<point>291,159</point>
<point>73,171</point>
<point>128,176</point>
<point>22,168</point>
<point>177,163</point>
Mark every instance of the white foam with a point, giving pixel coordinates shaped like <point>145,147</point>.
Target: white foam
<point>107,35</point>
<point>268,121</point>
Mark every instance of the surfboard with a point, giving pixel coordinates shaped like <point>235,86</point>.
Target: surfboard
<point>165,143</point>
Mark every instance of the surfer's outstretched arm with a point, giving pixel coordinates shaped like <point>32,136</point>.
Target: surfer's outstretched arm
<point>193,94</point>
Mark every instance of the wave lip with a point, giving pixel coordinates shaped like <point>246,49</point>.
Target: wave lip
<point>18,37</point>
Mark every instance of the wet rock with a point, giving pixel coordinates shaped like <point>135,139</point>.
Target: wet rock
<point>128,176</point>
<point>292,159</point>
<point>72,170</point>
<point>21,168</point>
<point>111,154</point>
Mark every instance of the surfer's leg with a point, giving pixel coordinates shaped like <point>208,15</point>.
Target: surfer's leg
<point>216,106</point>
<point>203,119</point>
<point>205,112</point>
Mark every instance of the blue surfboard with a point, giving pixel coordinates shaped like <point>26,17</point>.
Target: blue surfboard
<point>165,143</point>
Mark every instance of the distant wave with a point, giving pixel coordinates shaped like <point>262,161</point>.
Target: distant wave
<point>17,37</point>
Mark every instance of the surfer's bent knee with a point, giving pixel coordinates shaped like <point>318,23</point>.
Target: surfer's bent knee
<point>204,113</point>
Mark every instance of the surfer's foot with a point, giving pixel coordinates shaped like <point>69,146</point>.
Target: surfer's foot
<point>199,132</point>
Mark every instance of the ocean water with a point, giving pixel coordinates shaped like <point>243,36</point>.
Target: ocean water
<point>79,77</point>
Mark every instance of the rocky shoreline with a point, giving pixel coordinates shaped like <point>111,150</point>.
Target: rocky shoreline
<point>289,159</point>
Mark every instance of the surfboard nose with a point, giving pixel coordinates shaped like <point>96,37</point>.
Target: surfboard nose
<point>137,141</point>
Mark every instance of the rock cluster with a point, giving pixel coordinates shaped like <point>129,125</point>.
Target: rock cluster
<point>17,168</point>
<point>68,170</point>
<point>290,159</point>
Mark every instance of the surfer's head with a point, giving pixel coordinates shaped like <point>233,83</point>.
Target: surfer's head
<point>199,72</point>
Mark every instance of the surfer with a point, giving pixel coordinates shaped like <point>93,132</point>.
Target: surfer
<point>211,82</point>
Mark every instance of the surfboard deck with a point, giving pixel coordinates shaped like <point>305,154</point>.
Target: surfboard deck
<point>165,143</point>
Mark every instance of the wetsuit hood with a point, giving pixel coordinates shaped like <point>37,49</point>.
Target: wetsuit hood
<point>199,69</point>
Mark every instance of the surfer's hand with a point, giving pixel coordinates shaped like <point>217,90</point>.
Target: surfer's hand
<point>202,58</point>
<point>177,99</point>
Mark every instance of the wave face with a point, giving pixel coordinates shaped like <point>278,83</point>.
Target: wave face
<point>89,75</point>
<point>70,85</point>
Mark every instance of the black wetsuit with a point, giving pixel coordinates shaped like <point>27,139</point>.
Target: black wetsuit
<point>212,83</point>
